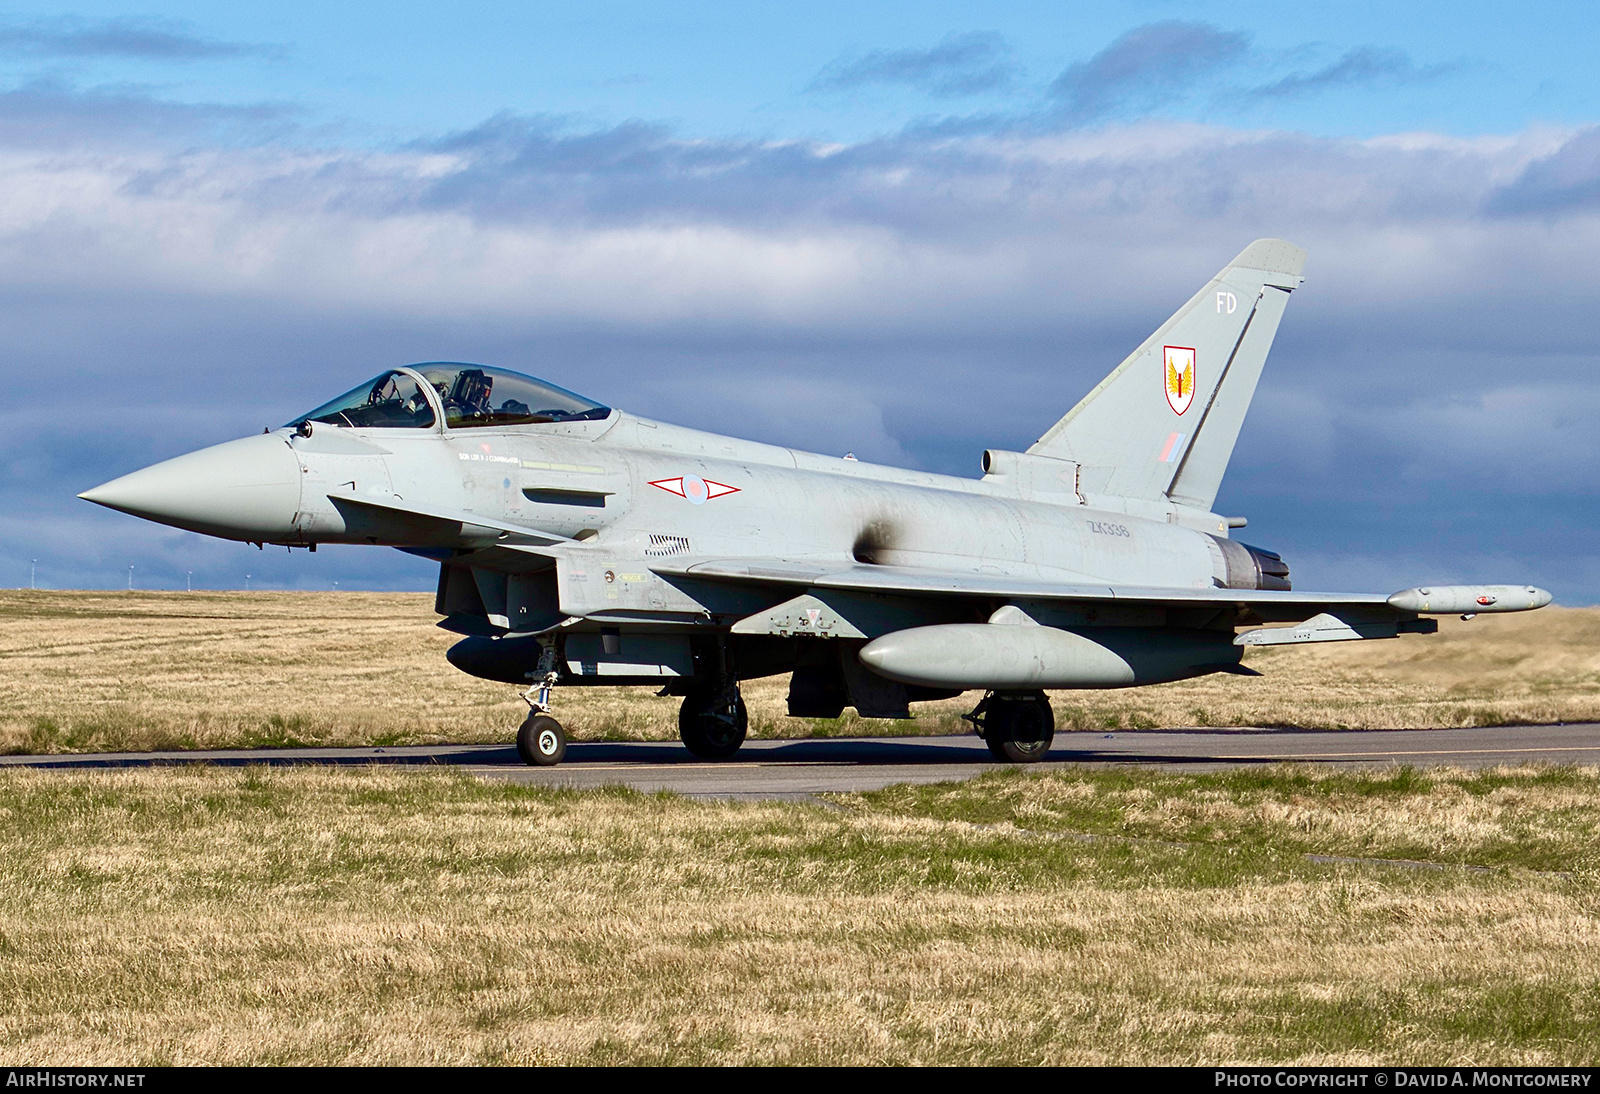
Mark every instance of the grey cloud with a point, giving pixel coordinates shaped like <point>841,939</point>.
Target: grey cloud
<point>1565,182</point>
<point>519,168</point>
<point>50,113</point>
<point>960,64</point>
<point>126,37</point>
<point>1145,68</point>
<point>1365,65</point>
<point>928,186</point>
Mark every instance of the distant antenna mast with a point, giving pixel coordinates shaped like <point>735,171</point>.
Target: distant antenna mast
<point>188,581</point>
<point>130,579</point>
<point>33,570</point>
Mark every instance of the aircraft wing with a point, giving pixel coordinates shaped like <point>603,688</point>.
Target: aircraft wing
<point>1250,605</point>
<point>1268,604</point>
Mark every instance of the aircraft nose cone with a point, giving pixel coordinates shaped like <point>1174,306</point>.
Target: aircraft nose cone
<point>246,489</point>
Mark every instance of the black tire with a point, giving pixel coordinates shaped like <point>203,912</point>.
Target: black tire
<point>1019,731</point>
<point>541,742</point>
<point>709,727</point>
<point>997,747</point>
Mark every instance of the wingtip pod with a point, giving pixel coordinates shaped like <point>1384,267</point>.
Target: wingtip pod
<point>1273,255</point>
<point>1470,599</point>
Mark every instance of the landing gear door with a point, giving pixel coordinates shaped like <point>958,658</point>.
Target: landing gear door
<point>608,581</point>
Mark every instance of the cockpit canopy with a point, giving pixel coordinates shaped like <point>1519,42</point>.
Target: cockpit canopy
<point>474,395</point>
<point>392,401</point>
<point>471,395</point>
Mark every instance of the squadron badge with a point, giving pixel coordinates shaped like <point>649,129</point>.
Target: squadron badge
<point>1178,371</point>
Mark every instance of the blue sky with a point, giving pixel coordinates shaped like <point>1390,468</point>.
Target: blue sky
<point>387,71</point>
<point>913,231</point>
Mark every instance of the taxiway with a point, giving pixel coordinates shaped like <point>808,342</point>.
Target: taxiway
<point>800,768</point>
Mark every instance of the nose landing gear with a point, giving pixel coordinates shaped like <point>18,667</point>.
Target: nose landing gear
<point>541,742</point>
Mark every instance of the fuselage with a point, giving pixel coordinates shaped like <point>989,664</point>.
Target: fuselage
<point>450,460</point>
<point>638,489</point>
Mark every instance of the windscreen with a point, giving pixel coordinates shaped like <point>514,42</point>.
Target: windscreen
<point>476,395</point>
<point>392,401</point>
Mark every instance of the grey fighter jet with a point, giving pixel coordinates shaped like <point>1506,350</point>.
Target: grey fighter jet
<point>578,544</point>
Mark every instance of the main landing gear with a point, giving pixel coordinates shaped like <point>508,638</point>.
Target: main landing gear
<point>713,721</point>
<point>1017,727</point>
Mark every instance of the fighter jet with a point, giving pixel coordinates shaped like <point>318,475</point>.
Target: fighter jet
<point>583,545</point>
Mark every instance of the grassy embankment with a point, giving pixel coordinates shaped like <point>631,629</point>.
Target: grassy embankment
<point>1113,916</point>
<point>85,671</point>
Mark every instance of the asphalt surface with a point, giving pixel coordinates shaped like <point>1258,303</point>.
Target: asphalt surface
<point>797,769</point>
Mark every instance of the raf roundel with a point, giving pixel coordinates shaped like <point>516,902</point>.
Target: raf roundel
<point>1177,373</point>
<point>694,489</point>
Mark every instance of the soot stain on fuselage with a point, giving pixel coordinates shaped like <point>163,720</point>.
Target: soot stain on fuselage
<point>874,541</point>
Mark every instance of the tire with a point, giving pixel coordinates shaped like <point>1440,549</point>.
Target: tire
<point>541,742</point>
<point>1020,731</point>
<point>708,732</point>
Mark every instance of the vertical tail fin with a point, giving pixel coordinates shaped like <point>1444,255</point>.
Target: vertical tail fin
<point>1164,423</point>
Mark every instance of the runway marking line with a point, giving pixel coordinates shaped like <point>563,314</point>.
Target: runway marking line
<point>1385,752</point>
<point>735,766</point>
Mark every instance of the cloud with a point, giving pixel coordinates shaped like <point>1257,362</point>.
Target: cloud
<point>633,224</point>
<point>1145,68</point>
<point>52,114</point>
<point>1363,66</point>
<point>1157,67</point>
<point>127,37</point>
<point>961,64</point>
<point>1563,183</point>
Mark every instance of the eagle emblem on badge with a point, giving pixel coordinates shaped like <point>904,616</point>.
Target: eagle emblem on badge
<point>1178,373</point>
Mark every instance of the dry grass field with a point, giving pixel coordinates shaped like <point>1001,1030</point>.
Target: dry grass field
<point>209,915</point>
<point>387,915</point>
<point>89,671</point>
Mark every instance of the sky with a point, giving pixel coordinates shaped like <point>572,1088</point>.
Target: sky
<point>910,231</point>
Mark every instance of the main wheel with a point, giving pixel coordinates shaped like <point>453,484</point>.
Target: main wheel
<point>1019,731</point>
<point>712,726</point>
<point>541,742</point>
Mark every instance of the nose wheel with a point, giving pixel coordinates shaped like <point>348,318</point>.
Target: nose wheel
<point>541,742</point>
